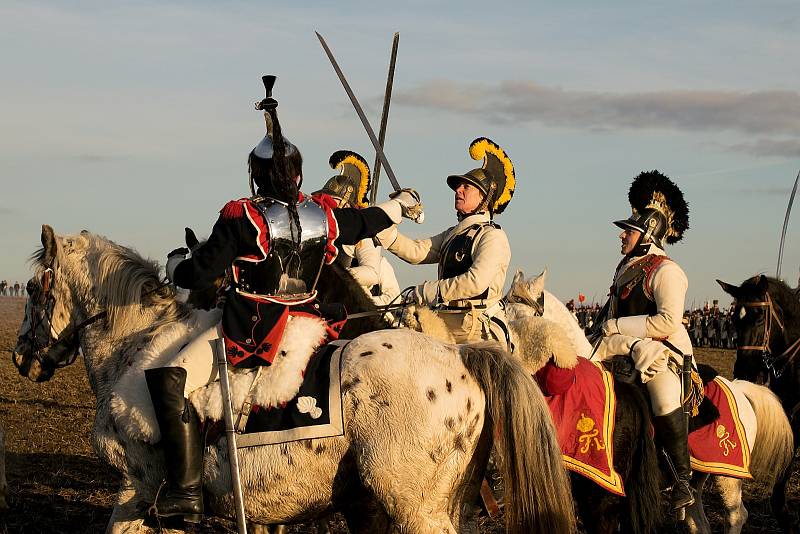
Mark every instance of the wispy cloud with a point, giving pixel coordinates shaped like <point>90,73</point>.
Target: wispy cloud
<point>751,113</point>
<point>789,148</point>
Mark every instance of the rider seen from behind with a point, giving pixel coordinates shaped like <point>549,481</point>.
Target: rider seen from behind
<point>275,243</point>
<point>473,255</point>
<point>644,316</point>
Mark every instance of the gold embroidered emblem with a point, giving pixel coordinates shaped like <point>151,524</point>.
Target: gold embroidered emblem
<point>725,441</point>
<point>586,427</point>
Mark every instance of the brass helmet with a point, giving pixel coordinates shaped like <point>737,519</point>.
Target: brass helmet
<point>495,178</point>
<point>351,185</point>
<point>659,211</point>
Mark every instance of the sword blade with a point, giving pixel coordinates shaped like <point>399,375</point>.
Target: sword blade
<point>361,115</point>
<point>233,456</point>
<point>785,226</point>
<point>387,98</point>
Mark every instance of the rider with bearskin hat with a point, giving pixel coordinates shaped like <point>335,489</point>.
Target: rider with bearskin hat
<point>274,243</point>
<point>350,188</point>
<point>645,311</point>
<point>473,255</point>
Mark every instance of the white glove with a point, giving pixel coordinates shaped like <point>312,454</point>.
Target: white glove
<point>426,294</point>
<point>173,259</point>
<point>411,204</point>
<point>610,327</point>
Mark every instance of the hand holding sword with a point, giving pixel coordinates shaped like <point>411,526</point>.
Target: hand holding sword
<point>415,212</point>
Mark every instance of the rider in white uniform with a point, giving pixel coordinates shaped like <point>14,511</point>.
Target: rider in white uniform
<point>645,313</point>
<point>473,255</point>
<point>363,260</point>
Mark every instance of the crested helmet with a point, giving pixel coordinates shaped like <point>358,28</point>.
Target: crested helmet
<point>351,185</point>
<point>495,178</point>
<point>659,210</point>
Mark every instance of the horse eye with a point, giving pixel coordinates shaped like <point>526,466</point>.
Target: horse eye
<point>30,287</point>
<point>742,312</point>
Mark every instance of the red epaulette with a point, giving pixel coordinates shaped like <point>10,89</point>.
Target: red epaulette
<point>325,200</point>
<point>233,209</point>
<point>651,263</point>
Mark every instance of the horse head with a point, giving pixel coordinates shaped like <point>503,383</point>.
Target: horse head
<point>759,324</point>
<point>47,338</point>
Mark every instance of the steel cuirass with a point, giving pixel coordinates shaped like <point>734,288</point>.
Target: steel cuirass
<point>295,255</point>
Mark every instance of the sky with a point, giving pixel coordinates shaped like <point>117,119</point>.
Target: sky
<point>134,119</point>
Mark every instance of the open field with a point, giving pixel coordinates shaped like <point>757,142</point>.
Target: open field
<point>57,485</point>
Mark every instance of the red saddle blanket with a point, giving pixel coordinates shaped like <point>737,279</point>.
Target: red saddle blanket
<point>584,421</point>
<point>721,447</point>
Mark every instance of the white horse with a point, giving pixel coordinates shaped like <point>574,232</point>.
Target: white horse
<point>768,431</point>
<point>420,416</point>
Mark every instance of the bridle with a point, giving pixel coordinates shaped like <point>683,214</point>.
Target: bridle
<point>769,360</point>
<point>68,337</point>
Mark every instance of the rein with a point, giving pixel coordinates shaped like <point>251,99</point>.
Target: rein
<point>770,361</point>
<point>69,335</point>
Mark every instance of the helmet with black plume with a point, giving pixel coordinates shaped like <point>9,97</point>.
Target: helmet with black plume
<point>495,178</point>
<point>659,211</point>
<point>275,164</point>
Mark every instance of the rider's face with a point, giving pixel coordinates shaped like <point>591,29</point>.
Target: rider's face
<point>467,198</point>
<point>629,239</point>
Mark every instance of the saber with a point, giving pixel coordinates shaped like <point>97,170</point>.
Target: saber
<point>360,112</point>
<point>786,225</point>
<point>222,365</point>
<point>387,97</point>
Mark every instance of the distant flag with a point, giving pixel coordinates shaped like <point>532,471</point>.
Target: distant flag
<point>581,297</point>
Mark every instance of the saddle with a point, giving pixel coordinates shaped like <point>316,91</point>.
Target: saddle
<point>623,370</point>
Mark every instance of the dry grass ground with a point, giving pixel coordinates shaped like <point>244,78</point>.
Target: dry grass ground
<point>57,484</point>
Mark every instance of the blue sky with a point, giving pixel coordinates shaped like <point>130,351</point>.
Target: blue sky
<point>134,119</point>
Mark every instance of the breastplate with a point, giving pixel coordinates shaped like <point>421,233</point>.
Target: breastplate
<point>457,257</point>
<point>295,256</point>
<point>633,302</point>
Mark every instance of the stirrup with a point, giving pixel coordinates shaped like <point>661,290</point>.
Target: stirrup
<point>152,511</point>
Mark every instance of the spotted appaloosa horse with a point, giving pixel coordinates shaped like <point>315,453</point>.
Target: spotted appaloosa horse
<point>420,416</point>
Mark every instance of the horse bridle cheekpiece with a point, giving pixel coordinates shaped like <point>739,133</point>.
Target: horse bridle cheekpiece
<point>45,299</point>
<point>771,315</point>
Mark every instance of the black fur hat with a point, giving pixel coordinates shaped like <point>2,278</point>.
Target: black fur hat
<point>651,192</point>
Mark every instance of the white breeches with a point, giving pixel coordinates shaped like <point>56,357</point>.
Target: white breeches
<point>198,359</point>
<point>665,392</point>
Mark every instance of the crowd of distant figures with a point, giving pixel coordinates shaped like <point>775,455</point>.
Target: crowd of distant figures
<point>707,327</point>
<point>711,327</point>
<point>7,289</point>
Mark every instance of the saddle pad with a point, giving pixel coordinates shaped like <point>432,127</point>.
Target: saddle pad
<point>584,421</point>
<point>315,412</point>
<point>720,448</point>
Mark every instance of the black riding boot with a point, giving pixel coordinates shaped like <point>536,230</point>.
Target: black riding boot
<point>672,433</point>
<point>181,443</point>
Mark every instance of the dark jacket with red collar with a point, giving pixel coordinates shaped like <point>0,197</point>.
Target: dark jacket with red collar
<point>253,327</point>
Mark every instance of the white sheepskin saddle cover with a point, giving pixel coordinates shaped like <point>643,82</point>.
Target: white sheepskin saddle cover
<point>132,408</point>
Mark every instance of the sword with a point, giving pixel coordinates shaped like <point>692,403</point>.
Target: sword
<point>387,97</point>
<point>786,225</point>
<point>360,112</point>
<point>218,346</point>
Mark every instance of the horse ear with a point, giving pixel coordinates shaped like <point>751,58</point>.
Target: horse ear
<point>190,238</point>
<point>49,244</point>
<point>730,289</point>
<point>763,283</point>
<point>537,284</point>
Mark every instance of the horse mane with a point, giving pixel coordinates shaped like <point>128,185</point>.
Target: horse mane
<point>127,285</point>
<point>337,285</point>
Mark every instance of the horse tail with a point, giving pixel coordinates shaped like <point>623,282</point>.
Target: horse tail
<point>538,497</point>
<point>773,449</point>
<point>642,484</point>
